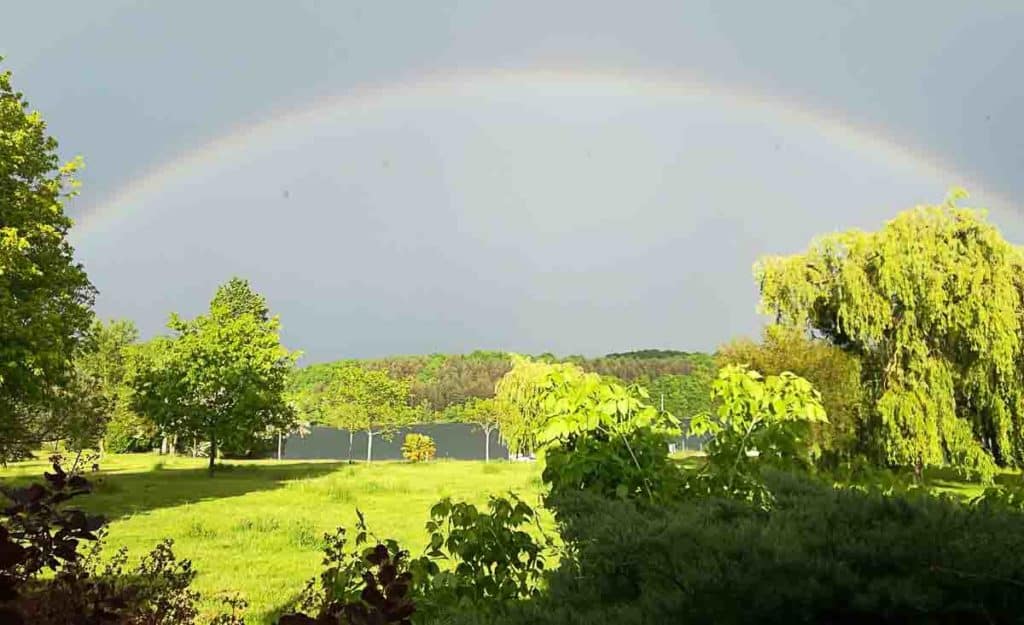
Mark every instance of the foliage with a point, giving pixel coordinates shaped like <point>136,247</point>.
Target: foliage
<point>441,384</point>
<point>520,398</point>
<point>255,531</point>
<point>105,363</point>
<point>932,305</point>
<point>496,561</point>
<point>362,585</point>
<point>1007,497</point>
<point>646,364</point>
<point>769,417</point>
<point>631,465</point>
<point>603,436</point>
<point>834,373</point>
<point>155,592</point>
<point>350,396</point>
<point>493,561</point>
<point>45,297</point>
<point>418,447</point>
<point>483,413</point>
<point>458,379</point>
<point>821,555</point>
<point>38,533</point>
<point>683,395</point>
<point>222,377</point>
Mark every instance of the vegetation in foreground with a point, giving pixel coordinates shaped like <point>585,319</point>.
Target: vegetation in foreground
<point>258,528</point>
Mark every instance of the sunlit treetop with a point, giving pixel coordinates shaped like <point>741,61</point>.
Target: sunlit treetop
<point>932,303</point>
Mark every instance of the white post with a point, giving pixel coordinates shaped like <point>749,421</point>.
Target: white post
<point>487,445</point>
<point>369,445</point>
<point>278,446</point>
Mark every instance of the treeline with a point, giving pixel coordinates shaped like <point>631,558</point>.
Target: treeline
<point>438,383</point>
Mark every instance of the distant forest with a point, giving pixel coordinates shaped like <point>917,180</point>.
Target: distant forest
<point>678,381</point>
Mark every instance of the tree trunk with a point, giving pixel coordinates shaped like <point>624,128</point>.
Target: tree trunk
<point>173,445</point>
<point>102,449</point>
<point>369,445</point>
<point>163,445</point>
<point>350,435</point>
<point>487,445</point>
<point>279,447</point>
<point>213,453</point>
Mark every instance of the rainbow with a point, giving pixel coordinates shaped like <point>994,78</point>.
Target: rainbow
<point>442,86</point>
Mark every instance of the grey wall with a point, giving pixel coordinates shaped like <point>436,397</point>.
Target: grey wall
<point>454,440</point>
<point>458,441</point>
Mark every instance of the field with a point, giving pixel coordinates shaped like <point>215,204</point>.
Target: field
<point>256,527</point>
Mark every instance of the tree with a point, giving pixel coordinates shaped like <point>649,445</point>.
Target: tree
<point>45,297</point>
<point>520,397</point>
<point>835,373</point>
<point>105,363</point>
<point>222,377</point>
<point>482,413</point>
<point>770,415</point>
<point>370,400</point>
<point>931,304</point>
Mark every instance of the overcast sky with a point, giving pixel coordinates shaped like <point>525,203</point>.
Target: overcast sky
<point>575,177</point>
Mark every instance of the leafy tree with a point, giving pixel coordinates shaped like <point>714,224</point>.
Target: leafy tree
<point>932,305</point>
<point>357,398</point>
<point>834,373</point>
<point>770,416</point>
<point>222,377</point>
<point>520,396</point>
<point>482,413</point>
<point>45,297</point>
<point>105,363</point>
<point>602,436</point>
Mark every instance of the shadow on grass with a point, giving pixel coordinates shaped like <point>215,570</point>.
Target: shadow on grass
<point>271,616</point>
<point>117,495</point>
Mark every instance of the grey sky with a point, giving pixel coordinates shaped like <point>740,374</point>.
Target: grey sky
<point>578,177</point>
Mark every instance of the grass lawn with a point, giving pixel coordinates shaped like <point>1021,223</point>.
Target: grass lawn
<point>256,528</point>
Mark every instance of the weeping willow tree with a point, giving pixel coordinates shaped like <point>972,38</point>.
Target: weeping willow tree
<point>519,397</point>
<point>932,306</point>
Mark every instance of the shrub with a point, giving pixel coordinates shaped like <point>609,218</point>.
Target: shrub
<point>418,448</point>
<point>359,585</point>
<point>491,562</point>
<point>820,555</point>
<point>630,465</point>
<point>495,560</point>
<point>758,422</point>
<point>156,592</point>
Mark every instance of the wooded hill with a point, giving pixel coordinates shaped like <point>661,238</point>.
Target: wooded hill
<point>439,382</point>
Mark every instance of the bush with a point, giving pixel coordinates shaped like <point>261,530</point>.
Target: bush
<point>418,448</point>
<point>491,562</point>
<point>496,561</point>
<point>359,585</point>
<point>820,555</point>
<point>627,465</point>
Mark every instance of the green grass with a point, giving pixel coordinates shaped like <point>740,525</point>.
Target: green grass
<point>257,527</point>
